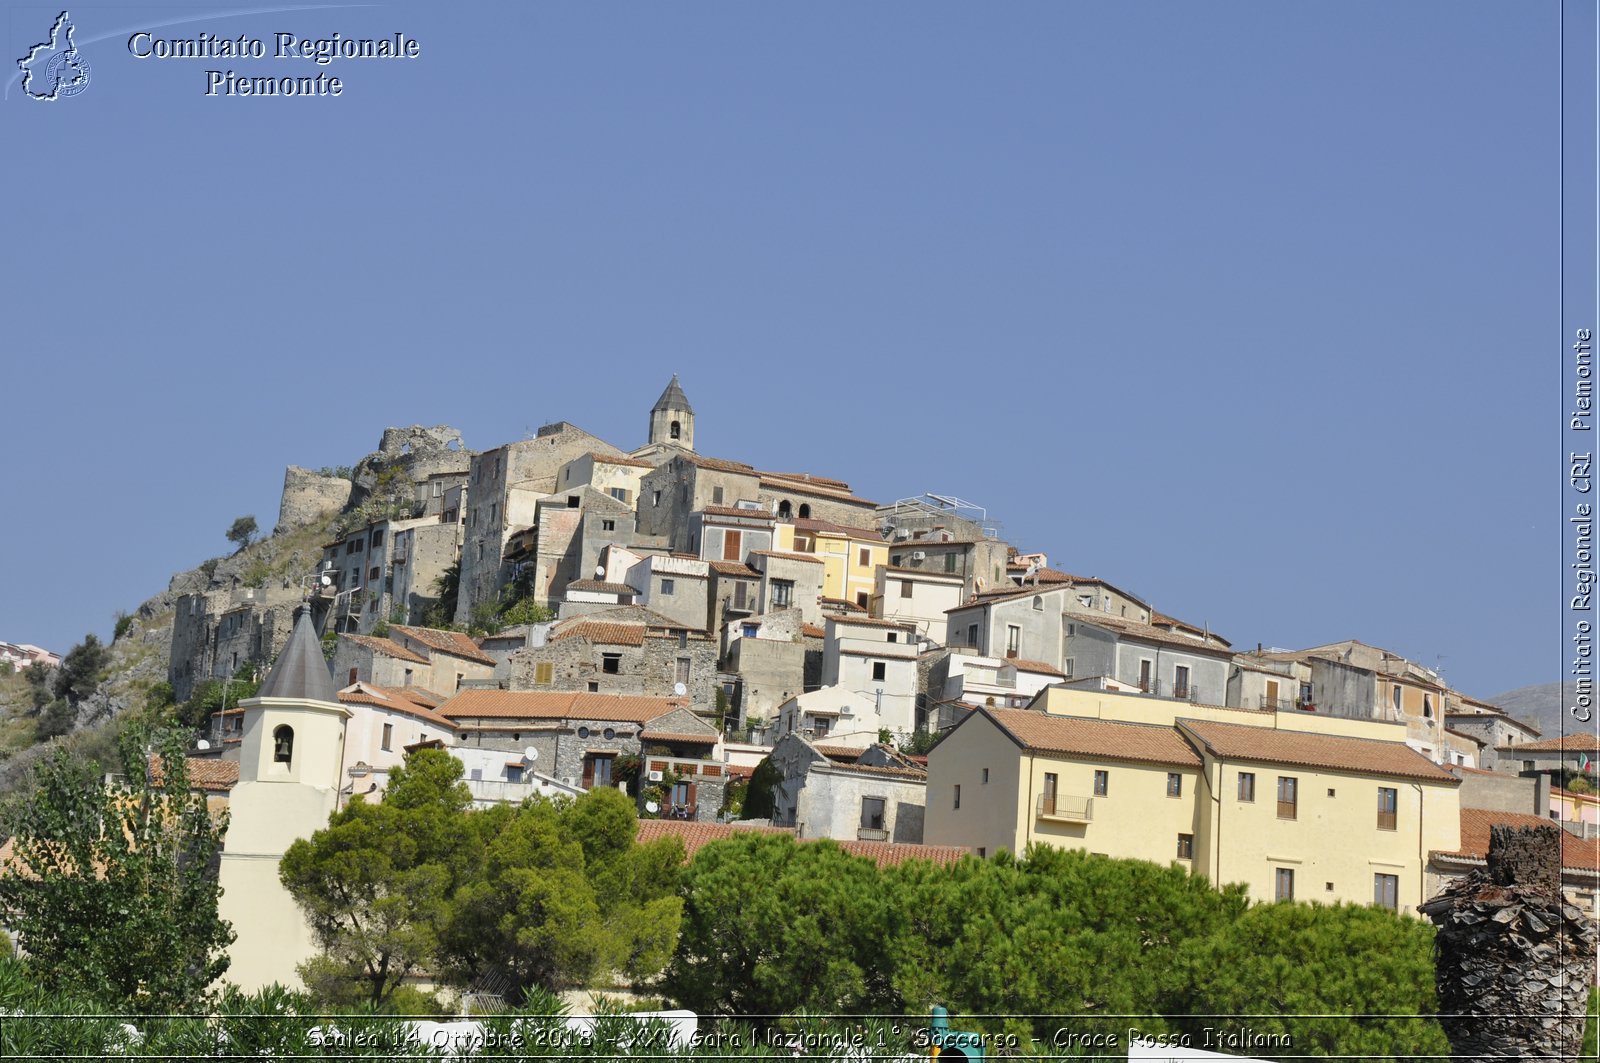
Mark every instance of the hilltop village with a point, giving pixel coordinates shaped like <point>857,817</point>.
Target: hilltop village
<point>561,614</point>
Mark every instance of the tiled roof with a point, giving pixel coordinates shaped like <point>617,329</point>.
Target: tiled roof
<point>394,700</point>
<point>1146,633</point>
<point>734,568</point>
<point>456,643</point>
<point>1022,664</point>
<point>735,511</point>
<point>825,481</point>
<point>840,753</point>
<point>612,459</point>
<point>557,705</point>
<point>909,774</point>
<point>811,486</point>
<point>787,556</point>
<point>700,461</point>
<point>1576,853</point>
<point>843,604</point>
<point>1583,742</point>
<point>1234,741</point>
<point>696,836</point>
<point>1163,620</point>
<point>871,621</point>
<point>205,773</point>
<point>813,631</point>
<point>888,854</point>
<point>828,527</point>
<point>603,633</point>
<point>1072,736</point>
<point>688,739</point>
<point>386,647</point>
<point>600,587</point>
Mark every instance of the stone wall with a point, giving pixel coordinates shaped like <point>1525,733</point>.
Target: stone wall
<point>650,669</point>
<point>306,496</point>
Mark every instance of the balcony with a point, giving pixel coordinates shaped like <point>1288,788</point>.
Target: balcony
<point>871,834</point>
<point>1277,704</point>
<point>676,811</point>
<point>1063,809</point>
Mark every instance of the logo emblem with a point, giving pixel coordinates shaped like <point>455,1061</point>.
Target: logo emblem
<point>55,69</point>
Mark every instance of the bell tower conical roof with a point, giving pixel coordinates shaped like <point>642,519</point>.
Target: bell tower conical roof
<point>672,399</point>
<point>300,672</point>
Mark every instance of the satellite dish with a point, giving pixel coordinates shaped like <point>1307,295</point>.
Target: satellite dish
<point>530,754</point>
<point>599,572</point>
<point>651,807</point>
<point>679,689</point>
<point>202,744</point>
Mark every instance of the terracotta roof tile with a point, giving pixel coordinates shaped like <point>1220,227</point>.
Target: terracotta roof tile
<point>688,739</point>
<point>1232,741</point>
<point>1583,742</point>
<point>602,633</point>
<point>813,631</point>
<point>735,511</point>
<point>1023,665</point>
<point>871,621</point>
<point>889,854</point>
<point>841,753</point>
<point>386,647</point>
<point>456,643</point>
<point>613,459</point>
<point>843,604</point>
<point>600,587</point>
<point>809,477</point>
<point>205,773</point>
<point>787,556</point>
<point>700,461</point>
<point>1072,736</point>
<point>1146,633</point>
<point>557,705</point>
<point>828,527</point>
<point>394,700</point>
<point>734,568</point>
<point>1577,853</point>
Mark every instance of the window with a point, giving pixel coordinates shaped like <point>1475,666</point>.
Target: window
<point>1396,699</point>
<point>676,430</point>
<point>1180,681</point>
<point>1013,640</point>
<point>1386,891</point>
<point>609,733</point>
<point>1247,786</point>
<point>1387,807</point>
<point>1288,797</point>
<point>655,499</point>
<point>861,599</point>
<point>583,732</point>
<point>949,562</point>
<point>1186,847</point>
<point>905,588</point>
<point>1144,676</point>
<point>896,559</point>
<point>1285,884</point>
<point>972,634</point>
<point>1047,800</point>
<point>608,525</point>
<point>283,744</point>
<point>749,631</point>
<point>785,510</point>
<point>620,494</point>
<point>543,673</point>
<point>513,773</point>
<point>373,574</point>
<point>668,586</point>
<point>377,537</point>
<point>1038,603</point>
<point>1066,667</point>
<point>683,670</point>
<point>1102,780</point>
<point>782,593</point>
<point>872,813</point>
<point>594,688</point>
<point>1174,784</point>
<point>879,670</point>
<point>611,663</point>
<point>804,510</point>
<point>958,796</point>
<point>597,769</point>
<point>986,776</point>
<point>1427,706</point>
<point>388,735</point>
<point>716,496</point>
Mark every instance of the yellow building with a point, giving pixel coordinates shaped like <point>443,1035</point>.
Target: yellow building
<point>1289,813</point>
<point>851,556</point>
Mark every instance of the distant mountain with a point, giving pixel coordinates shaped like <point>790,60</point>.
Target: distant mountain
<point>1539,705</point>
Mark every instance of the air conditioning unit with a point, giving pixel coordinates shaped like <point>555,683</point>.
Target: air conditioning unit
<point>919,555</point>
<point>655,776</point>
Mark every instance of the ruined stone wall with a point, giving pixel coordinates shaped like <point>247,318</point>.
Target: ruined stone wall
<point>307,496</point>
<point>649,670</point>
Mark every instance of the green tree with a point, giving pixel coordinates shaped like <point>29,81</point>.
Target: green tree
<point>526,611</point>
<point>442,613</point>
<point>566,895</point>
<point>37,676</point>
<point>1354,981</point>
<point>55,720</point>
<point>759,799</point>
<point>112,889</point>
<point>81,670</point>
<point>375,883</point>
<point>771,926</point>
<point>242,532</point>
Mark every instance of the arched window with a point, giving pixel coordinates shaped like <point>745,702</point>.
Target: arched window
<point>805,509</point>
<point>783,508</point>
<point>283,744</point>
<point>677,430</point>
<point>1427,706</point>
<point>1397,699</point>
<point>1038,602</point>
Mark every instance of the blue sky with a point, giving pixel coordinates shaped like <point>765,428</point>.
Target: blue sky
<point>1247,307</point>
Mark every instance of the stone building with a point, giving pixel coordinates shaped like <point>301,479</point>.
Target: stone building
<point>624,650</point>
<point>872,794</point>
<point>216,631</point>
<point>570,533</point>
<point>671,425</point>
<point>308,495</point>
<point>503,487</point>
<point>440,661</point>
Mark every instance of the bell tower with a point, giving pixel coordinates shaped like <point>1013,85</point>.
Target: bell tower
<point>672,419</point>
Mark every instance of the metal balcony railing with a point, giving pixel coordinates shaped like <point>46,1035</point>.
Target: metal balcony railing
<point>1065,808</point>
<point>871,834</point>
<point>1277,704</point>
